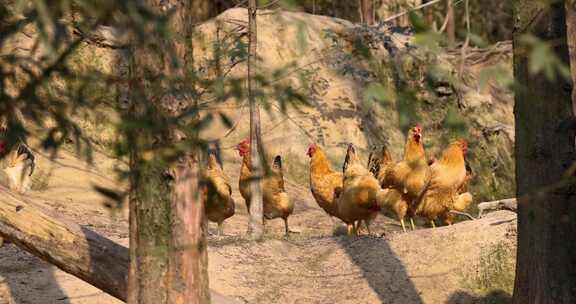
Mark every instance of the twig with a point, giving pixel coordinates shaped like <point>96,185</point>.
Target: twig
<point>411,10</point>
<point>465,46</point>
<point>293,121</point>
<point>269,4</point>
<point>468,215</point>
<point>445,24</point>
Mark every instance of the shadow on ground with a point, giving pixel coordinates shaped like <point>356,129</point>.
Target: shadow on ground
<point>494,297</point>
<point>382,269</point>
<point>22,274</point>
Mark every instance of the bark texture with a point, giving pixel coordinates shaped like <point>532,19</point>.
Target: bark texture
<point>451,25</point>
<point>366,8</point>
<point>168,246</point>
<point>546,263</point>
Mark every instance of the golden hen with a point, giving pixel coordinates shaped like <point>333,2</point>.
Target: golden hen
<point>325,183</point>
<point>447,177</point>
<point>391,199</point>
<point>358,201</point>
<point>217,194</point>
<point>409,176</point>
<point>275,199</point>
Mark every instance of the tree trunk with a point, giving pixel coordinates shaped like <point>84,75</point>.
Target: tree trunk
<point>70,247</point>
<point>168,246</point>
<point>366,9</point>
<point>451,25</point>
<point>255,227</point>
<point>546,263</point>
<point>571,30</point>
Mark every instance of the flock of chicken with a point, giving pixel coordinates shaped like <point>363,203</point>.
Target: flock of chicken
<point>433,189</point>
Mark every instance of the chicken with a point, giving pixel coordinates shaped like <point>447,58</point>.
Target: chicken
<point>409,176</point>
<point>325,183</point>
<point>245,173</point>
<point>217,194</point>
<point>381,167</point>
<point>463,201</point>
<point>20,163</point>
<point>275,199</point>
<point>391,199</point>
<point>358,200</point>
<point>447,177</point>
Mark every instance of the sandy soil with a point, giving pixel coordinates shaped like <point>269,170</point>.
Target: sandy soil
<point>318,265</point>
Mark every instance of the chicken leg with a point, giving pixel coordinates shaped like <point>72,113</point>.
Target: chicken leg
<point>412,223</point>
<point>367,223</point>
<point>350,228</point>
<point>220,229</point>
<point>286,229</point>
<point>403,226</point>
<point>433,224</point>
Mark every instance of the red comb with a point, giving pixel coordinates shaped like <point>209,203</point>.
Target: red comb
<point>418,125</point>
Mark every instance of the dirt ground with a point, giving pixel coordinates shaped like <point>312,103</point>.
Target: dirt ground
<point>317,265</point>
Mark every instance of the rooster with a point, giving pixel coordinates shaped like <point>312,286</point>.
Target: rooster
<point>358,200</point>
<point>217,194</point>
<point>447,179</point>
<point>275,199</point>
<point>325,183</point>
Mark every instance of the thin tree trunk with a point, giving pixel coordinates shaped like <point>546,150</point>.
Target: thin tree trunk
<point>546,263</point>
<point>168,246</point>
<point>255,227</point>
<point>451,26</point>
<point>366,9</point>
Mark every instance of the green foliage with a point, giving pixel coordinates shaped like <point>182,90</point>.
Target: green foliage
<point>70,96</point>
<point>542,58</point>
<point>377,92</point>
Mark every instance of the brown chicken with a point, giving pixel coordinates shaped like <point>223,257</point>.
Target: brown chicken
<point>217,194</point>
<point>381,167</point>
<point>325,183</point>
<point>447,177</point>
<point>275,199</point>
<point>245,174</point>
<point>464,201</point>
<point>409,176</point>
<point>358,201</point>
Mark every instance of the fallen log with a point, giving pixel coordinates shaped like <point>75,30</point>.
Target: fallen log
<point>72,248</point>
<point>508,204</point>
